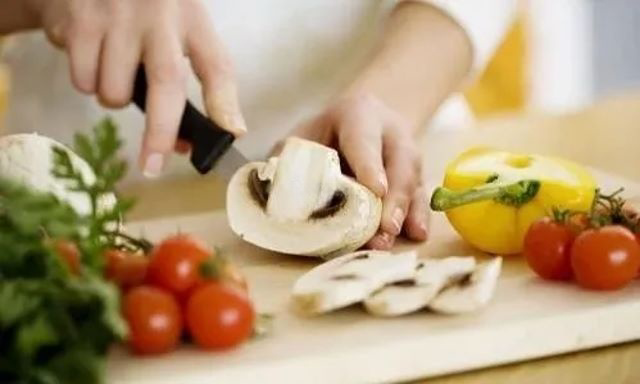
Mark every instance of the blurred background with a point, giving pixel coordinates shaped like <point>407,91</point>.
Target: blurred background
<point>559,56</point>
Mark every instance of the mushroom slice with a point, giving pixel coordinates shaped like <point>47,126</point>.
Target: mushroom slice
<point>300,203</point>
<point>349,279</point>
<point>408,296</point>
<point>472,293</point>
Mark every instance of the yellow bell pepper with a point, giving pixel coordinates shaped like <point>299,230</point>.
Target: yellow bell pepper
<point>492,197</point>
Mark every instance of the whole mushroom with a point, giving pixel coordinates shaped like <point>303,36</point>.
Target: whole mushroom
<point>300,203</point>
<point>27,159</point>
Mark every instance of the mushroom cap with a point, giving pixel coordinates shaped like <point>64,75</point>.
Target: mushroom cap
<point>27,159</point>
<point>280,220</point>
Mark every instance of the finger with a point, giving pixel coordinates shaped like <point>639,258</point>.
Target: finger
<point>212,66</point>
<point>84,44</point>
<point>166,99</point>
<point>120,59</point>
<point>401,172</point>
<point>182,147</point>
<point>382,241</point>
<point>360,139</point>
<point>416,225</point>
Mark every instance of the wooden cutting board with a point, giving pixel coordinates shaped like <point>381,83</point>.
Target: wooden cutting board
<point>527,319</point>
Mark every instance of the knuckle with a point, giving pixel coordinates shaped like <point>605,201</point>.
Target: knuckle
<point>168,71</point>
<point>400,198</point>
<point>193,5</point>
<point>219,66</point>
<point>57,35</point>
<point>120,11</point>
<point>84,21</point>
<point>161,134</point>
<point>114,96</point>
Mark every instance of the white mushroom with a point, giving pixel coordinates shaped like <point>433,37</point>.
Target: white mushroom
<point>301,204</point>
<point>27,159</point>
<point>472,293</point>
<point>350,279</point>
<point>408,296</point>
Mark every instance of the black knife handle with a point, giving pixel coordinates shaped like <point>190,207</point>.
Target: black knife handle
<point>208,140</point>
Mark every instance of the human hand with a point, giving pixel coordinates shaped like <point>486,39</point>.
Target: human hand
<point>380,150</point>
<point>106,40</point>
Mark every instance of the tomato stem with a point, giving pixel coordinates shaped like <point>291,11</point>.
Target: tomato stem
<point>514,194</point>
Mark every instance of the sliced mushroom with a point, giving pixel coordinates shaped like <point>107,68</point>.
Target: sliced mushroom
<point>301,204</point>
<point>350,279</point>
<point>472,293</point>
<point>408,296</point>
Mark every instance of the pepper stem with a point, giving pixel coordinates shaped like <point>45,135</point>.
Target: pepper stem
<point>515,194</point>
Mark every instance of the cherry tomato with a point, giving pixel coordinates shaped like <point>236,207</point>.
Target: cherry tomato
<point>224,272</point>
<point>219,315</point>
<point>70,254</point>
<point>175,263</point>
<point>124,268</point>
<point>605,259</point>
<point>154,318</point>
<point>547,247</point>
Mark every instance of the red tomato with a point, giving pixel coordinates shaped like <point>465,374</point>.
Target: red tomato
<point>225,272</point>
<point>124,268</point>
<point>175,263</point>
<point>154,318</point>
<point>219,316</point>
<point>547,247</point>
<point>606,258</point>
<point>70,254</point>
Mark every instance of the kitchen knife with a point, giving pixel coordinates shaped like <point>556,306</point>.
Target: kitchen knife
<point>211,146</point>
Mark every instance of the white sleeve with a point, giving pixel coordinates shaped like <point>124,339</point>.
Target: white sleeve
<point>485,22</point>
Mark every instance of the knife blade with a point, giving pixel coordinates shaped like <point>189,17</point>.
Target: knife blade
<point>211,146</point>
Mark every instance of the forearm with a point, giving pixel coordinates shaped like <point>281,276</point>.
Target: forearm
<point>16,15</point>
<point>422,57</point>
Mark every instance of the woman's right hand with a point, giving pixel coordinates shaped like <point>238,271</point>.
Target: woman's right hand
<point>106,40</point>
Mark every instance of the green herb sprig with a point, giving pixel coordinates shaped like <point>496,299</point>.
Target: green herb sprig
<point>57,326</point>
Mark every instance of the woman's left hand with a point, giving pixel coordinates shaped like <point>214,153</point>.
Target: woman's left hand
<point>380,150</point>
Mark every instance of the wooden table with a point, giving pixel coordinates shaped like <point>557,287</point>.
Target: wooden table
<point>603,136</point>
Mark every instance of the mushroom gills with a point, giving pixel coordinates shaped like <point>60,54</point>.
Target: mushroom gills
<point>469,295</point>
<point>349,279</point>
<point>260,189</point>
<point>431,276</point>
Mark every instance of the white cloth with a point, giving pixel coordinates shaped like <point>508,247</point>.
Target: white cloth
<point>290,57</point>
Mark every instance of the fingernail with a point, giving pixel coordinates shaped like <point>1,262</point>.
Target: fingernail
<point>388,239</point>
<point>382,179</point>
<point>223,105</point>
<point>235,123</point>
<point>382,241</point>
<point>396,218</point>
<point>422,228</point>
<point>153,165</point>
